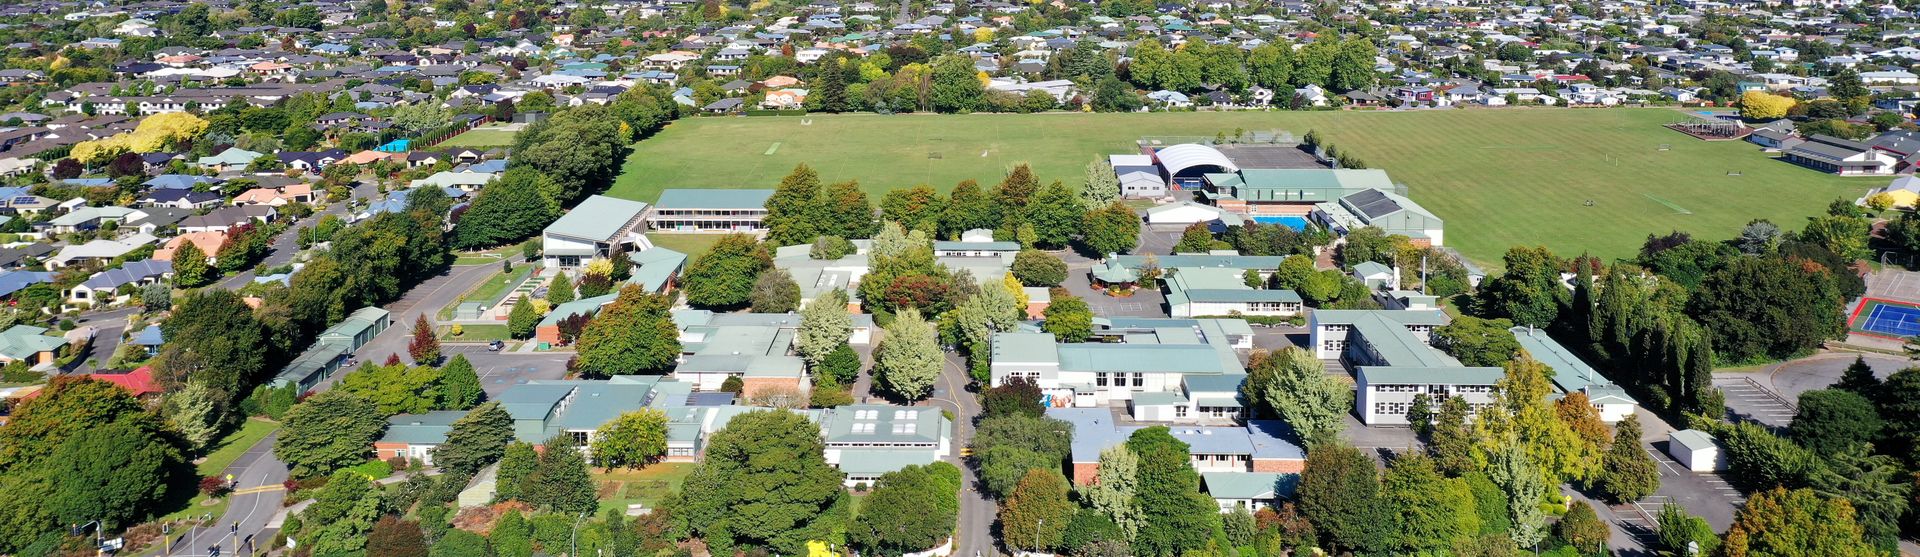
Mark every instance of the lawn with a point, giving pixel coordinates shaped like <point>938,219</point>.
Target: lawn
<point>490,135</point>
<point>1499,177</point>
<point>497,285</point>
<point>620,487</point>
<point>691,244</point>
<point>482,257</point>
<point>476,333</point>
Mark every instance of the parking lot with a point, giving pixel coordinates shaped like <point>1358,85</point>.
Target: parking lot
<point>498,370</point>
<point>1748,399</point>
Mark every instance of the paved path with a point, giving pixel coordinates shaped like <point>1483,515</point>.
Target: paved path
<point>976,511</point>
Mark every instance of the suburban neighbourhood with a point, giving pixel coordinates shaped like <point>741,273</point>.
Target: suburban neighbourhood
<point>342,278</point>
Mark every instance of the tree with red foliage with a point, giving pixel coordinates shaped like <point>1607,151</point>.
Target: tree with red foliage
<point>214,486</point>
<point>425,346</point>
<point>919,291</point>
<point>67,168</point>
<point>392,360</point>
<point>127,164</point>
<point>393,537</point>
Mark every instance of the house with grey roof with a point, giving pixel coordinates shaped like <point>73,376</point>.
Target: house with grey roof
<point>593,230</point>
<point>1259,447</point>
<point>1383,209</point>
<point>1393,358</point>
<point>710,210</point>
<point>1839,156</point>
<point>1174,374</point>
<point>105,287</point>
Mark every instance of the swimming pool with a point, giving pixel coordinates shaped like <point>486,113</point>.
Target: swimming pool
<point>1289,221</point>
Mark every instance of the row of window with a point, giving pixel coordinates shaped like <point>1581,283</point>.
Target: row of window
<point>1117,379</point>
<point>709,212</point>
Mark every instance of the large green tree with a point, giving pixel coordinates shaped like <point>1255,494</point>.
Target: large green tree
<point>1339,492</point>
<point>1478,342</point>
<point>1430,512</point>
<point>331,430</point>
<point>1056,215</point>
<point>510,208</point>
<point>794,211</point>
<point>1174,517</point>
<point>1626,473</point>
<point>954,87</point>
<point>579,148</point>
<point>1036,514</point>
<point>765,483</point>
<point>1830,421</point>
<point>1113,229</point>
<point>1302,393</point>
<point>1798,522</point>
<point>723,277</point>
<point>910,509</point>
<point>635,334</point>
<point>459,384</point>
<point>1767,307</point>
<point>475,440</point>
<point>632,440</point>
<point>908,360</point>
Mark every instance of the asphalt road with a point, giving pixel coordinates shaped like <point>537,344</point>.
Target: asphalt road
<point>976,510</point>
<point>252,507</point>
<point>257,502</point>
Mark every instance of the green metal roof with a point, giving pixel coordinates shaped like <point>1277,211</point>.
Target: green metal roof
<point>1396,345</point>
<point>713,199</point>
<point>885,423</point>
<point>1025,348</point>
<point>1162,398</point>
<point>583,306</point>
<point>421,429</point>
<point>598,218</point>
<point>1440,375</point>
<point>1156,358</point>
<point>1240,262</point>
<point>22,342</point>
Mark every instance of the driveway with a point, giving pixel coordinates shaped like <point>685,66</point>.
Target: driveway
<point>500,370</point>
<point>976,510</point>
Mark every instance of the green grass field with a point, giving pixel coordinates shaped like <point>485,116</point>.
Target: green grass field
<point>1499,177</point>
<point>691,244</point>
<point>619,487</point>
<point>484,136</point>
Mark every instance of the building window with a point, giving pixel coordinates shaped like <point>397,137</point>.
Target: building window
<point>1179,411</point>
<point>1139,380</point>
<point>1100,379</point>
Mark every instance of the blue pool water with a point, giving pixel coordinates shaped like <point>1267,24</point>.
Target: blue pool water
<point>1296,223</point>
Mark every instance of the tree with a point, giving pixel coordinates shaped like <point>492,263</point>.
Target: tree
<point>1859,378</point>
<point>1626,472</point>
<point>1115,484</point>
<point>1478,342</point>
<point>1830,421</point>
<point>518,462</point>
<point>1429,512</point>
<point>1102,186</point>
<point>1111,230</point>
<point>1303,395</point>
<point>1520,478</point>
<point>1767,307</point>
<point>765,482</point>
<point>577,148</point>
<point>394,388</point>
<point>792,209</point>
<point>342,514</point>
<point>954,87</point>
<point>1006,446</point>
<point>521,320</point>
<point>475,440</point>
<point>1195,239</point>
<point>910,509</point>
<point>1451,441</point>
<point>825,325</point>
<point>393,537</point>
<point>634,439</point>
<point>197,411</point>
<point>512,207</point>
<point>190,268</point>
<point>1340,493</point>
<point>116,471</point>
<point>1678,531</point>
<point>1583,529</point>
<point>1017,395</point>
<point>1036,514</point>
<point>460,543</point>
<point>775,292</point>
<point>560,481</point>
<point>1761,105</point>
<point>1056,214</point>
<point>908,359</point>
<point>1797,522</point>
<point>423,345</point>
<point>967,208</point>
<point>1877,486</point>
<point>724,276</point>
<point>331,430</point>
<point>512,535</point>
<point>1174,517</point>
<point>634,334</point>
<point>842,363</point>
<point>1112,95</point>
<point>846,212</point>
<point>916,208</point>
<point>459,385</point>
<point>1068,318</point>
<point>559,291</point>
<point>1529,293</point>
<point>1038,268</point>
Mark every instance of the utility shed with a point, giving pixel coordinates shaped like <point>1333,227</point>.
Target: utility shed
<point>1696,450</point>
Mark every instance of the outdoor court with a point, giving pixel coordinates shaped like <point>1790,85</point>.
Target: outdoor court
<point>1885,318</point>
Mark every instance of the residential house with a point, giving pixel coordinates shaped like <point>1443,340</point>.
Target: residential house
<point>114,286</point>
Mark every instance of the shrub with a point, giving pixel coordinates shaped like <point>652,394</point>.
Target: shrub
<point>214,486</point>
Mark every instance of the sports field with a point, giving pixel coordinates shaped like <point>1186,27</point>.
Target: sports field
<point>1885,318</point>
<point>490,135</point>
<point>1498,177</point>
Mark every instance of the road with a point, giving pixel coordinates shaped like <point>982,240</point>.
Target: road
<point>257,502</point>
<point>976,510</point>
<point>288,243</point>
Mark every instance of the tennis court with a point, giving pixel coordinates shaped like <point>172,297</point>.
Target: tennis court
<point>1886,318</point>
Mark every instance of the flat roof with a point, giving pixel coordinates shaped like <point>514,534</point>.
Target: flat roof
<point>1437,375</point>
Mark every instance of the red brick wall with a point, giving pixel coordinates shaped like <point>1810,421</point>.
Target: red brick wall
<point>751,386</point>
<point>1280,465</point>
<point>1084,472</point>
<point>549,334</point>
<point>386,450</point>
<point>1036,310</point>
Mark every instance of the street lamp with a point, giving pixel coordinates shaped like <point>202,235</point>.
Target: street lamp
<point>1037,524</point>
